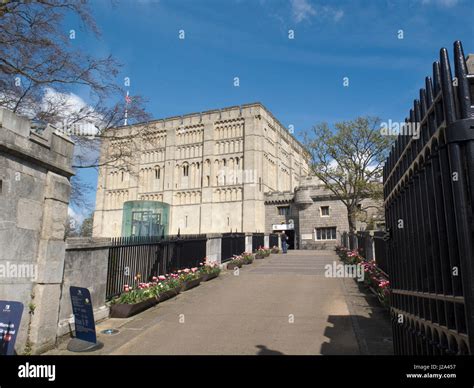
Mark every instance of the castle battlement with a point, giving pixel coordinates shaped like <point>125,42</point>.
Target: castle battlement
<point>42,144</point>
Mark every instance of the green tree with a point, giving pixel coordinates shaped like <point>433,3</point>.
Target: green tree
<point>87,226</point>
<point>348,159</point>
<point>71,227</point>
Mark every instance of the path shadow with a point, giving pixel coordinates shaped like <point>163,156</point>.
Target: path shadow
<point>264,351</point>
<point>369,321</point>
<point>356,335</point>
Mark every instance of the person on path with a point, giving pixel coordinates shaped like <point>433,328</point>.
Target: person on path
<point>284,239</point>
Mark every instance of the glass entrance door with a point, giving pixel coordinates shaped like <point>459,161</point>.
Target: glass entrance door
<point>146,223</point>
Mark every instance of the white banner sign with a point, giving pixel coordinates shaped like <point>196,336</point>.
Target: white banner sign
<point>283,226</point>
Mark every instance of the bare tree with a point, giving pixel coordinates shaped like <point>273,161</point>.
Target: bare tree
<point>41,69</point>
<point>349,159</point>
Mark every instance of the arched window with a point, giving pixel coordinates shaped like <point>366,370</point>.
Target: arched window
<point>186,170</point>
<point>157,173</point>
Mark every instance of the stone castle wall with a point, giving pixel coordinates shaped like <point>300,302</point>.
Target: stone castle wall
<point>213,168</point>
<point>306,205</point>
<point>35,167</point>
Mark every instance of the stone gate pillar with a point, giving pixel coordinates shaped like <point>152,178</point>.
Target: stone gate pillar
<point>35,168</point>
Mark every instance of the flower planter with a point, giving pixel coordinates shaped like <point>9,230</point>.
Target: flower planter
<point>168,294</point>
<point>125,310</point>
<point>258,257</point>
<point>234,266</point>
<point>209,276</point>
<point>383,302</point>
<point>187,285</point>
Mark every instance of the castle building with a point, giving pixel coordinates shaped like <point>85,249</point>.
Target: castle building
<point>314,218</point>
<point>205,172</point>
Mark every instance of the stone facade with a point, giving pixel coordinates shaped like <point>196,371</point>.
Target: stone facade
<point>213,168</point>
<point>35,167</point>
<point>90,254</point>
<point>312,207</point>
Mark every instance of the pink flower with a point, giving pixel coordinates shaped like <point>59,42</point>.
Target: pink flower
<point>384,283</point>
<point>161,277</point>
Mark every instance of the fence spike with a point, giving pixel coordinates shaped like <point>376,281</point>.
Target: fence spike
<point>423,105</point>
<point>447,87</point>
<point>429,91</point>
<point>461,72</point>
<point>429,101</point>
<point>416,105</point>
<point>416,108</point>
<point>436,78</point>
<point>411,118</point>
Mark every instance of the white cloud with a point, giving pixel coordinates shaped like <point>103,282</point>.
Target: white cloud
<point>78,218</point>
<point>303,10</point>
<point>338,14</point>
<point>442,3</point>
<point>71,107</point>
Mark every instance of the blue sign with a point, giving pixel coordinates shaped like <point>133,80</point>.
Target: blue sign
<point>83,314</point>
<point>10,318</point>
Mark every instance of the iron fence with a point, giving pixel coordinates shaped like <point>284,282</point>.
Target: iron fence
<point>258,240</point>
<point>380,251</point>
<point>232,244</point>
<point>429,197</point>
<point>133,260</point>
<point>364,244</point>
<point>371,245</point>
<point>349,240</point>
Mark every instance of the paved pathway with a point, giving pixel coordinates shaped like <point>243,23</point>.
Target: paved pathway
<point>279,305</point>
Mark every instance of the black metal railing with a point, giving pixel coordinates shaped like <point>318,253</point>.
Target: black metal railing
<point>258,240</point>
<point>232,244</point>
<point>380,251</point>
<point>273,240</point>
<point>133,260</point>
<point>364,244</point>
<point>370,245</point>
<point>349,240</point>
<point>429,197</point>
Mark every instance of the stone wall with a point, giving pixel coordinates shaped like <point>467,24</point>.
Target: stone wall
<point>305,210</point>
<point>85,265</point>
<point>232,156</point>
<point>311,216</point>
<point>35,167</point>
<point>275,200</point>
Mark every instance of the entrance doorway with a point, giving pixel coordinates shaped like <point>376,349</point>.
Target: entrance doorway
<point>291,236</point>
<point>146,223</point>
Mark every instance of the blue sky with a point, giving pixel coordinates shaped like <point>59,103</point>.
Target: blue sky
<point>300,80</point>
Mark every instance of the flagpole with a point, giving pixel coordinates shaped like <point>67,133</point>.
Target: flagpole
<point>127,99</point>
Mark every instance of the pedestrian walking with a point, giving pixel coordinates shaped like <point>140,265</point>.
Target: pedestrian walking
<point>284,243</point>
